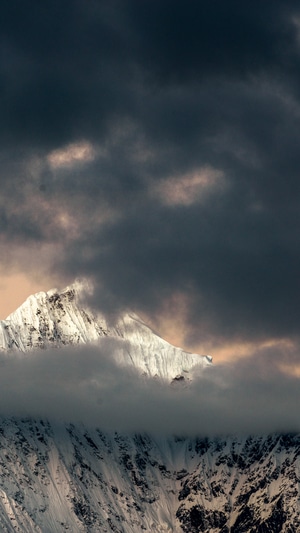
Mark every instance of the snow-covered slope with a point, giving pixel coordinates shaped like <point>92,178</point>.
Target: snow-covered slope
<point>66,478</point>
<point>57,318</point>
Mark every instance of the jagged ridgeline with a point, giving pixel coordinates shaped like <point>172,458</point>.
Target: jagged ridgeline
<point>57,477</point>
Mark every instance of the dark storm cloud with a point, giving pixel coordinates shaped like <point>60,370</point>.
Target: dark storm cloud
<point>240,277</point>
<point>162,91</point>
<point>85,385</point>
<point>71,68</point>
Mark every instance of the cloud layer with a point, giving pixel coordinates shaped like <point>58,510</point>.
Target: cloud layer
<point>154,147</point>
<point>86,385</point>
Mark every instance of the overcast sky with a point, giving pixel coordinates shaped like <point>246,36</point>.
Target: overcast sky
<point>153,146</point>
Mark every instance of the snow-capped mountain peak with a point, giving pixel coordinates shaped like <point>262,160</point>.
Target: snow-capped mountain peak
<point>56,318</point>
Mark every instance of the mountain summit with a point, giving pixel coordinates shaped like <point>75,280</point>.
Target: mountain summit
<point>57,318</point>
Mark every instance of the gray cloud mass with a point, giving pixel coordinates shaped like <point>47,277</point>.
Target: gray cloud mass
<point>160,91</point>
<point>251,396</point>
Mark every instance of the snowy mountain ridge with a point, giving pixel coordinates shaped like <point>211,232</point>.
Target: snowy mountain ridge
<point>55,479</point>
<point>56,318</point>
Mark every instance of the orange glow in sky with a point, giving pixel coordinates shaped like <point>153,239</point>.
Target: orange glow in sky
<point>15,289</point>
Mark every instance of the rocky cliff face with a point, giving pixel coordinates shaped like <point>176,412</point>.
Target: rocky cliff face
<point>57,477</point>
<point>64,478</point>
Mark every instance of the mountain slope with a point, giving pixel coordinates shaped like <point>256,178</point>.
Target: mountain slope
<point>67,478</point>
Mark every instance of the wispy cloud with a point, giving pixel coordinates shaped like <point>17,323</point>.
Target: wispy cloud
<point>72,155</point>
<point>192,188</point>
